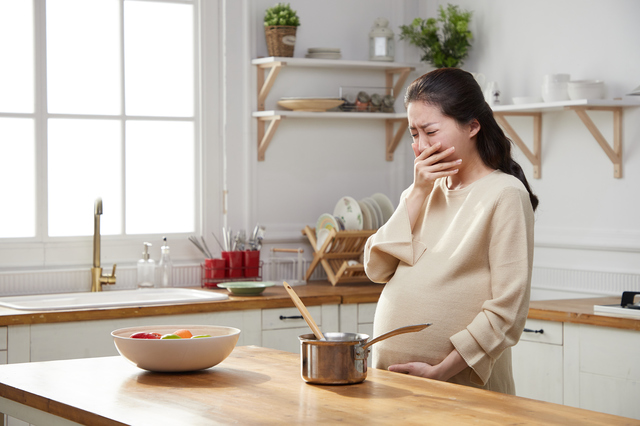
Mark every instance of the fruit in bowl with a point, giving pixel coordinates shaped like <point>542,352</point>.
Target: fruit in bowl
<point>202,346</point>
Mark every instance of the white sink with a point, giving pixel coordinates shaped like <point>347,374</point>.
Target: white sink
<point>104,299</point>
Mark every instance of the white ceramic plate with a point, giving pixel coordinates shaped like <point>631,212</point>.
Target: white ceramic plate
<point>321,237</point>
<point>327,221</point>
<point>324,50</point>
<point>377,210</point>
<point>385,205</point>
<point>372,212</point>
<point>366,215</point>
<point>348,210</point>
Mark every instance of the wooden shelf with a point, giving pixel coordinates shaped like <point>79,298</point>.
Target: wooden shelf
<point>581,106</point>
<point>393,71</point>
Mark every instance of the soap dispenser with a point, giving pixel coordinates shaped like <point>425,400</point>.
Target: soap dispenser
<point>146,269</point>
<point>165,267</point>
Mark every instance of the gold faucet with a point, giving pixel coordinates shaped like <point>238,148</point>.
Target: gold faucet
<point>97,279</point>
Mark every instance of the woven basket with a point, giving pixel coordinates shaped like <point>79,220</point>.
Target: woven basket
<point>280,40</point>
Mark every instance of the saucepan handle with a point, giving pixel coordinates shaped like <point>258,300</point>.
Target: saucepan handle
<point>401,330</point>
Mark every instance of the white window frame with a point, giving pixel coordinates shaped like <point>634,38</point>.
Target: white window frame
<point>42,251</point>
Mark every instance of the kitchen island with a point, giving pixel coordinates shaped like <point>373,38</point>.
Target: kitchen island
<point>257,386</point>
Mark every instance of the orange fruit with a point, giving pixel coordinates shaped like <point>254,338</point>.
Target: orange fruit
<point>185,334</point>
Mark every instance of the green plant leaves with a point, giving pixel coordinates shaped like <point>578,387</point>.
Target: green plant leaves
<point>442,47</point>
<point>281,14</point>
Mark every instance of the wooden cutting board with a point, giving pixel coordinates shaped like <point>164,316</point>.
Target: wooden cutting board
<point>257,385</point>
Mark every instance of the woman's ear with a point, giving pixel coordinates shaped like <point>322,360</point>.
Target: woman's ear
<point>474,128</point>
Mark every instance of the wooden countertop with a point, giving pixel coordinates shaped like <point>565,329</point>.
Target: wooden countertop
<point>256,386</point>
<point>315,293</point>
<point>580,311</point>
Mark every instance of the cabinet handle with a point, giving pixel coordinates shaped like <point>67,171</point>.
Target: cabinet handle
<point>528,330</point>
<point>282,317</point>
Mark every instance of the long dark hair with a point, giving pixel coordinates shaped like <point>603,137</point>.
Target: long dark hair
<point>457,94</point>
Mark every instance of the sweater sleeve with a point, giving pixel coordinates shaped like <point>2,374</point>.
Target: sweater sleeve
<point>502,318</point>
<point>391,245</point>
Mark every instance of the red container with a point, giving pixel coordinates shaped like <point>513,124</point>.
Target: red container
<point>235,266</point>
<point>251,263</point>
<point>215,269</point>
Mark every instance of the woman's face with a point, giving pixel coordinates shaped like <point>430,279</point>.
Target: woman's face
<point>429,126</point>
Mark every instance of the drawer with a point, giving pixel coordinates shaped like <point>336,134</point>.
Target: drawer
<point>271,318</point>
<point>552,332</point>
<point>366,311</point>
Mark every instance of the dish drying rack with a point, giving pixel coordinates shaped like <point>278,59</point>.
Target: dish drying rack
<point>289,269</point>
<point>339,255</point>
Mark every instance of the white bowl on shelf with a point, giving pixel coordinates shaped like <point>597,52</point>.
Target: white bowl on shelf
<point>556,78</point>
<point>586,89</point>
<point>555,92</point>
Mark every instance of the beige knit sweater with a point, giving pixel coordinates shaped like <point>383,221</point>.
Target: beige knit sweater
<point>466,268</point>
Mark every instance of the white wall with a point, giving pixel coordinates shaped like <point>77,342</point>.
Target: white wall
<point>588,234</point>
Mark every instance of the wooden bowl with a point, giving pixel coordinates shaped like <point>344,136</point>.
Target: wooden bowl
<point>310,104</point>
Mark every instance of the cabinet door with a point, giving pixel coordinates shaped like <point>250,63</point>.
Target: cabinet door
<point>537,362</point>
<point>602,369</point>
<point>85,339</point>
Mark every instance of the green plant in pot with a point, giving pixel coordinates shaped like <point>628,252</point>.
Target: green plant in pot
<point>445,46</point>
<point>280,26</point>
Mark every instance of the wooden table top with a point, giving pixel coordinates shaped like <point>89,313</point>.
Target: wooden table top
<point>256,386</point>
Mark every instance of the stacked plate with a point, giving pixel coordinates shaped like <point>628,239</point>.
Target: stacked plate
<point>324,53</point>
<point>369,213</point>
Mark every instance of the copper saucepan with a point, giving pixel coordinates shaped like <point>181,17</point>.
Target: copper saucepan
<point>341,358</point>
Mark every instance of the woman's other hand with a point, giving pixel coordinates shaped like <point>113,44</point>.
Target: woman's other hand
<point>449,367</point>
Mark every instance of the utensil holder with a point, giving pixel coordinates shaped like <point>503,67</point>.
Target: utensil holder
<point>251,259</point>
<point>234,263</point>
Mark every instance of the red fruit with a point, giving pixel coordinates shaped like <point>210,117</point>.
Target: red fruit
<point>143,335</point>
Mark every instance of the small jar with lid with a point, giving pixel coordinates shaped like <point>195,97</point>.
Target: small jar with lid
<point>376,103</point>
<point>362,101</point>
<point>387,103</point>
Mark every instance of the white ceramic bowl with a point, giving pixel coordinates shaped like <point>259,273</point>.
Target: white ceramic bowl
<point>556,78</point>
<point>586,89</point>
<point>555,92</point>
<point>176,355</point>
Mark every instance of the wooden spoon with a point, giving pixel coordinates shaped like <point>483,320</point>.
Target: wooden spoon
<point>303,310</point>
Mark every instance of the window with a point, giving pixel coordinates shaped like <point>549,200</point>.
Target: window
<point>100,100</point>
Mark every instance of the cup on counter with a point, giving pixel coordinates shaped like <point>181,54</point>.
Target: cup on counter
<point>235,263</point>
<point>251,263</point>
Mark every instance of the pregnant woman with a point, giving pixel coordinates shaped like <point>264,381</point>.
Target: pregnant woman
<point>458,250</point>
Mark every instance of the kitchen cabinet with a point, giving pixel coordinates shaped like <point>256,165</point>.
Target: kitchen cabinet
<point>537,361</point>
<point>613,151</point>
<point>580,365</point>
<point>282,326</point>
<point>393,71</point>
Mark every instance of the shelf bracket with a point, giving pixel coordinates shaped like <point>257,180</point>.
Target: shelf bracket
<point>615,153</point>
<point>393,137</point>
<point>264,138</point>
<point>403,73</point>
<point>534,156</point>
<point>265,85</point>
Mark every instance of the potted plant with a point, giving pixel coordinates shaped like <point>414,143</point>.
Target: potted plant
<point>442,47</point>
<point>280,25</point>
